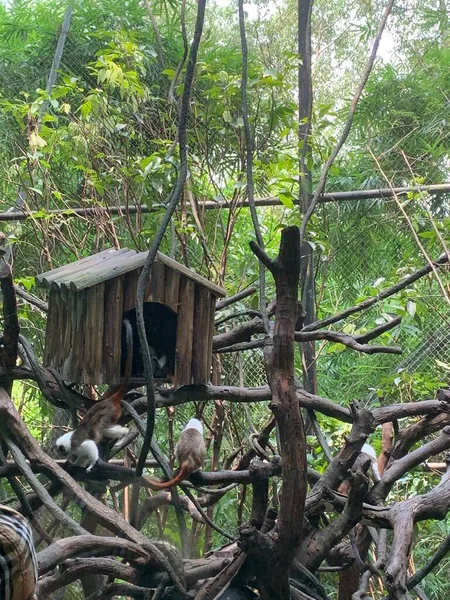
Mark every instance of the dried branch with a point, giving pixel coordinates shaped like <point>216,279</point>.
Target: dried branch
<point>336,471</point>
<point>221,304</point>
<point>351,341</point>
<point>87,545</point>
<point>77,567</point>
<point>241,333</point>
<point>239,338</point>
<point>397,469</point>
<point>37,486</point>
<point>318,545</point>
<point>31,299</point>
<point>11,422</point>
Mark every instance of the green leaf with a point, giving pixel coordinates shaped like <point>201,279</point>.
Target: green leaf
<point>222,76</point>
<point>286,200</point>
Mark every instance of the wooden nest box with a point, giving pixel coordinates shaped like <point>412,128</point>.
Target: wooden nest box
<point>89,300</point>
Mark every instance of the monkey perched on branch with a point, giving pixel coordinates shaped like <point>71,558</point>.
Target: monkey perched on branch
<point>190,452</point>
<point>81,445</point>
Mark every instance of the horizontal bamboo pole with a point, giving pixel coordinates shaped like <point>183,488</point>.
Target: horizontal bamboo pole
<point>382,193</point>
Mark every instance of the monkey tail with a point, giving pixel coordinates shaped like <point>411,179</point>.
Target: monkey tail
<point>165,485</point>
<point>122,390</point>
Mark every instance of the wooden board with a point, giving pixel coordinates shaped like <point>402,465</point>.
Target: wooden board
<point>130,282</point>
<point>54,274</point>
<point>68,281</point>
<point>200,343</point>
<point>185,329</point>
<point>158,282</point>
<point>211,331</point>
<point>173,264</point>
<point>49,331</point>
<point>109,269</point>
<point>69,300</point>
<point>171,290</point>
<point>79,336</point>
<point>58,332</point>
<point>111,263</point>
<point>93,331</point>
<point>112,333</point>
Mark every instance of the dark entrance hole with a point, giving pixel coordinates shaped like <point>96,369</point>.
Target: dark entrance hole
<point>161,331</point>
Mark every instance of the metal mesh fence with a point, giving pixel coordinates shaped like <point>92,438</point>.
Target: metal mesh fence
<point>362,247</point>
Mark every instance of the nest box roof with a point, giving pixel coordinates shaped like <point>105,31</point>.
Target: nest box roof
<point>106,265</point>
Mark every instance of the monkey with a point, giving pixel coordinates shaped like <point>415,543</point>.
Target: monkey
<point>81,445</point>
<point>190,452</point>
<point>158,363</point>
<point>367,449</point>
<point>366,452</point>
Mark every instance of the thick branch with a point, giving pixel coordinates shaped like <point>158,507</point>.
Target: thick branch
<point>285,406</point>
<point>10,319</point>
<point>400,467</point>
<point>11,421</point>
<point>87,545</point>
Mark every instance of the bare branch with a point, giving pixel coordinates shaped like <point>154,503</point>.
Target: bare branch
<point>235,298</point>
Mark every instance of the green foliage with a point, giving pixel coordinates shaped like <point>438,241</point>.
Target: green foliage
<point>106,135</point>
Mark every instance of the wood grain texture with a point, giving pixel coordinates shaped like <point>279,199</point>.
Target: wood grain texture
<point>130,281</point>
<point>158,282</point>
<point>94,324</point>
<point>172,287</point>
<point>185,329</point>
<point>200,342</point>
<point>113,326</point>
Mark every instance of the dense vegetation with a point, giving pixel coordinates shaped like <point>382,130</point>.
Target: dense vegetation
<point>105,135</point>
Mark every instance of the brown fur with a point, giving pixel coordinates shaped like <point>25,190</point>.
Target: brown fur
<point>104,413</point>
<point>190,451</point>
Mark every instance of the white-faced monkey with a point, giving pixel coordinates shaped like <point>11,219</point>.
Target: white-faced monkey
<point>190,452</point>
<point>81,445</point>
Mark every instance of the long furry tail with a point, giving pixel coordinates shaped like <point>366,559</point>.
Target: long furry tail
<point>165,485</point>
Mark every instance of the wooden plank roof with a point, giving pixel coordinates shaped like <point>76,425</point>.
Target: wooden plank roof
<point>111,263</point>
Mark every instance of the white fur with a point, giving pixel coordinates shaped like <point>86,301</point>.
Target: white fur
<point>116,432</point>
<point>194,424</point>
<point>63,443</point>
<point>162,360</point>
<point>89,452</point>
<point>86,455</point>
<point>367,449</point>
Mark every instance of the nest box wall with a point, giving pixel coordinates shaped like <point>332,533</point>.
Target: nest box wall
<point>87,303</point>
